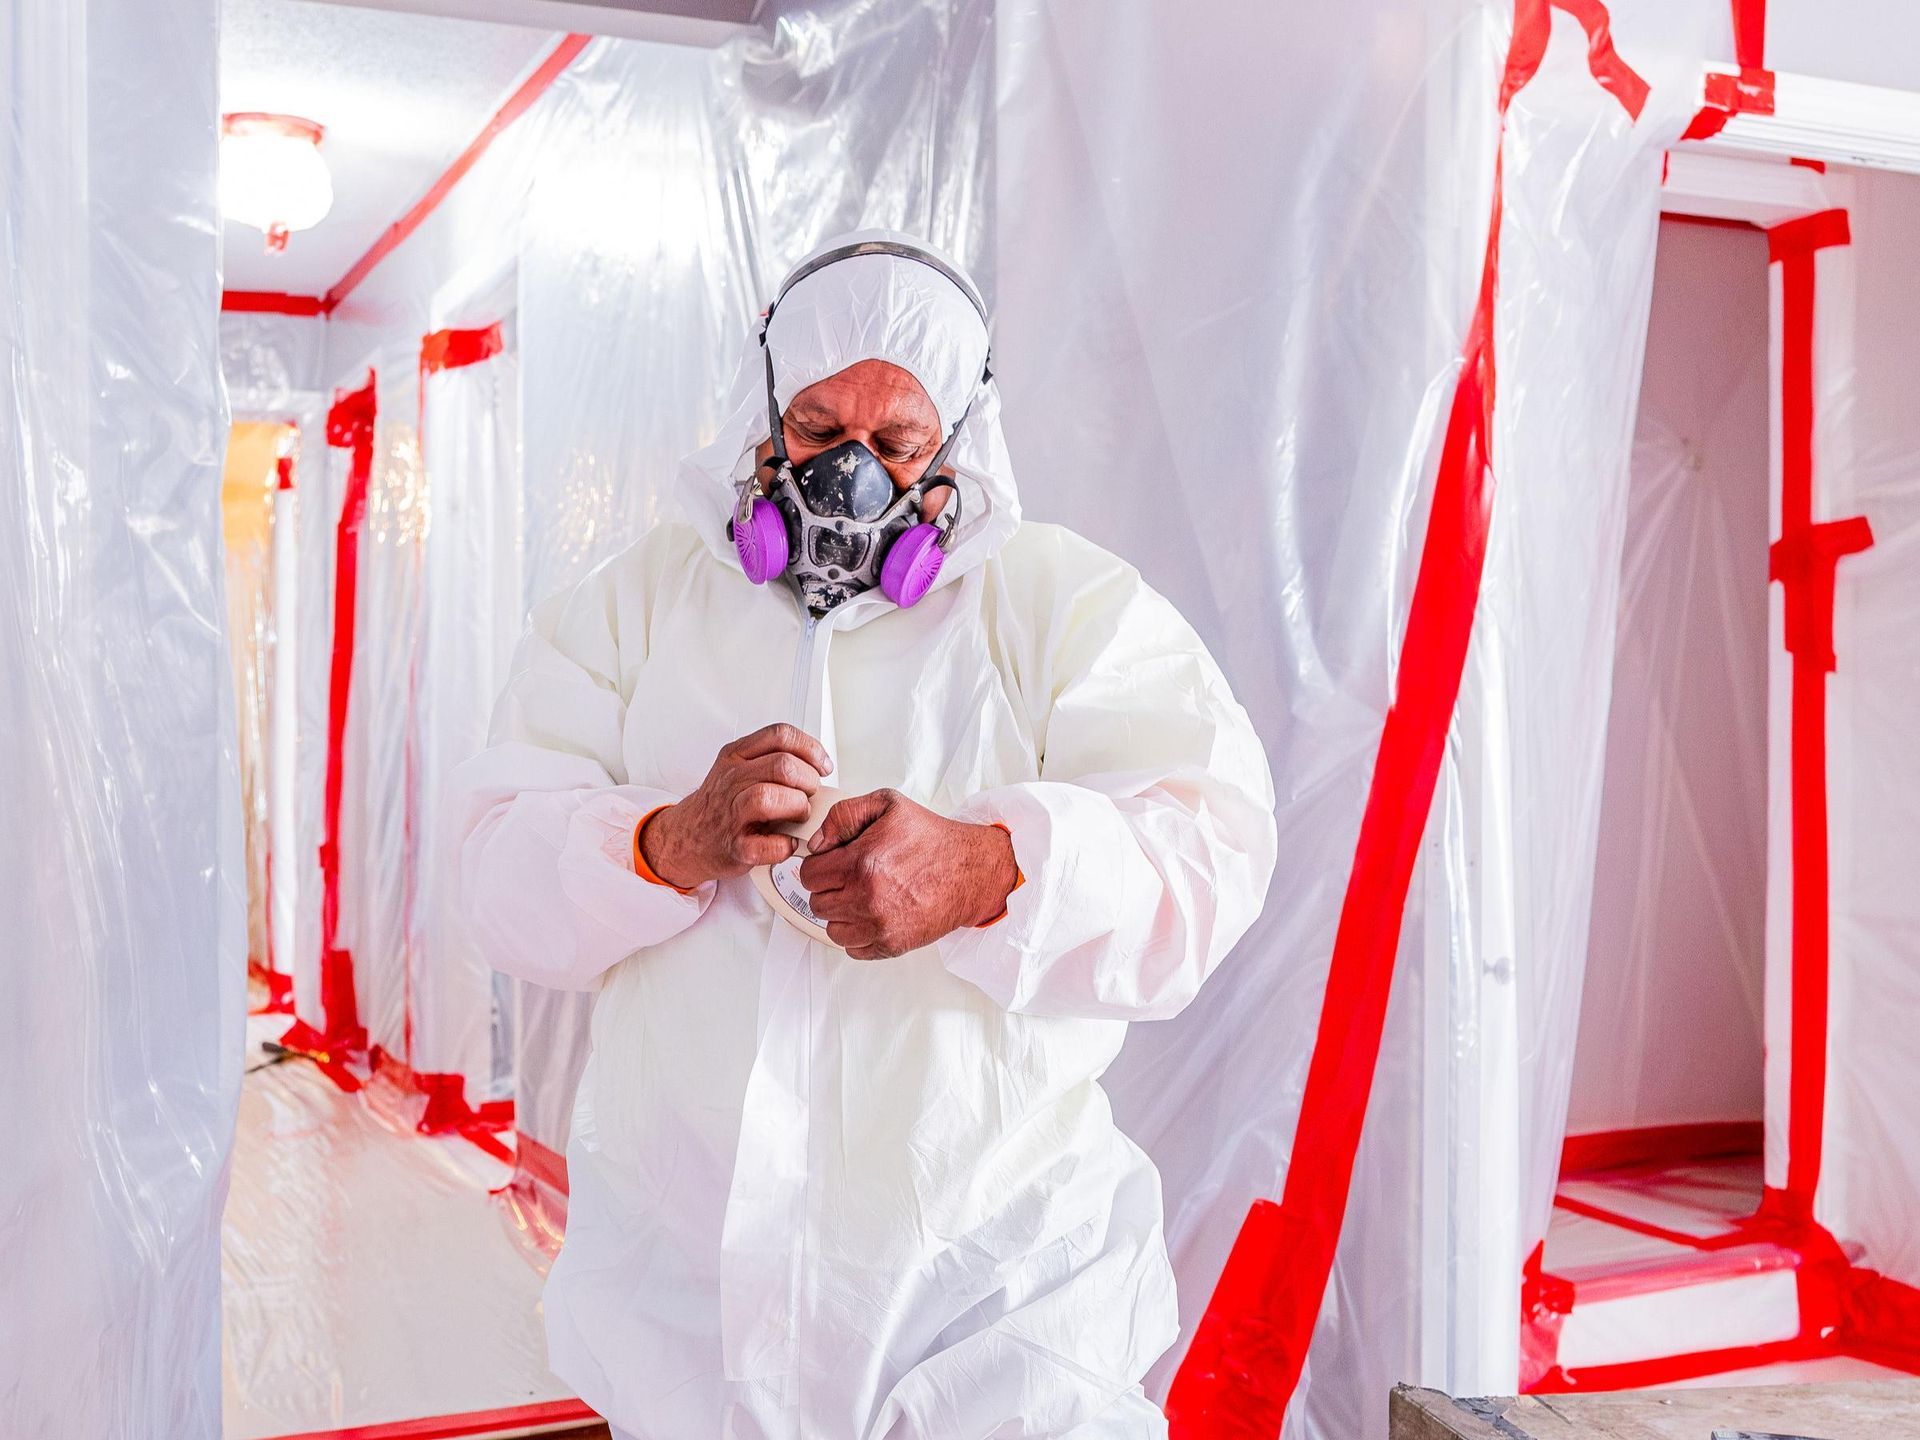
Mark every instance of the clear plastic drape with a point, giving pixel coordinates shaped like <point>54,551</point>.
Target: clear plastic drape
<point>1256,357</point>
<point>121,863</point>
<point>248,491</point>
<point>1240,307</point>
<point>1871,1174</point>
<point>471,608</point>
<point>1234,253</point>
<point>320,491</point>
<point>1230,319</point>
<point>275,370</point>
<point>1670,1018</point>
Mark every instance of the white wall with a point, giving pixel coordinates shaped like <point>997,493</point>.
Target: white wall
<point>1870,1188</point>
<point>1870,42</point>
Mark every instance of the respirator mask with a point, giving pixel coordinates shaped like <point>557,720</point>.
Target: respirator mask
<point>836,524</point>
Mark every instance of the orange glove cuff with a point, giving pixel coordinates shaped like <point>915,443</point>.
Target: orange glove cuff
<point>640,866</point>
<point>1019,879</point>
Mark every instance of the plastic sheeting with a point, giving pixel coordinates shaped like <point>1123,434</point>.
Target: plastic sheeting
<point>1670,1018</point>
<point>273,366</point>
<point>247,494</point>
<point>1871,1174</point>
<point>1302,373</point>
<point>472,602</point>
<point>367,1277</point>
<point>1281,403</point>
<point>121,860</point>
<point>1233,367</point>
<point>1235,257</point>
<point>379,865</point>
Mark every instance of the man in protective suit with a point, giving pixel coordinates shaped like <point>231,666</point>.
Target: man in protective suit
<point>841,1166</point>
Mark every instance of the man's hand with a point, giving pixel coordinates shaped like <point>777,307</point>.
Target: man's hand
<point>726,827</point>
<point>889,876</point>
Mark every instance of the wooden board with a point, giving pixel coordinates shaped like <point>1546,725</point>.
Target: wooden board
<point>1816,1412</point>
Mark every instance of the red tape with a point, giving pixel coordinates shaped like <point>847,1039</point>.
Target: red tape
<point>537,1194</point>
<point>446,1110</point>
<point>1614,75</point>
<point>349,427</point>
<point>1545,1302</point>
<point>513,1419</point>
<point>1659,1145</point>
<point>1805,560</point>
<point>1575,1206</point>
<point>279,986</point>
<point>303,1039</point>
<point>270,302</point>
<point>1748,93</point>
<point>1249,1348</point>
<point>1750,33</point>
<point>1879,1320</point>
<point>1772,1238</point>
<point>1667,1369</point>
<point>454,349</point>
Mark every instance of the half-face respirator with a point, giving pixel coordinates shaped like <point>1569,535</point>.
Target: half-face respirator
<point>836,522</point>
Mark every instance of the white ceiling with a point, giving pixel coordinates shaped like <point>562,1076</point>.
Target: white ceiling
<point>400,96</point>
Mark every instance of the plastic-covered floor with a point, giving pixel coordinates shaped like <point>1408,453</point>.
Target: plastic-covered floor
<point>369,1277</point>
<point>1658,1266</point>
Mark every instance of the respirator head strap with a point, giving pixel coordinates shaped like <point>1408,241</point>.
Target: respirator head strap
<point>775,430</point>
<point>949,519</point>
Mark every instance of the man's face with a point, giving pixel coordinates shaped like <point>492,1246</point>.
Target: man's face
<point>881,406</point>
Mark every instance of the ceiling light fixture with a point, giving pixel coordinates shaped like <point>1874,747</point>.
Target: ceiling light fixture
<point>272,175</point>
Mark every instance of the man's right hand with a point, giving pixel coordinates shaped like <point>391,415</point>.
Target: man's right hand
<point>726,827</point>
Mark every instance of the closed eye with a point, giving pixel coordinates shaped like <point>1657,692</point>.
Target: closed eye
<point>900,448</point>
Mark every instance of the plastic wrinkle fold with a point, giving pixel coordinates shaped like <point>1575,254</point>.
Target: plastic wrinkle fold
<point>1247,1355</point>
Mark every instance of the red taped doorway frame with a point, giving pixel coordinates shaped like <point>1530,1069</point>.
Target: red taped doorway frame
<point>1844,1307</point>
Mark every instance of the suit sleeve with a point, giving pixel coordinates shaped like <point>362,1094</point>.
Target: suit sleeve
<point>545,817</point>
<point>1148,841</point>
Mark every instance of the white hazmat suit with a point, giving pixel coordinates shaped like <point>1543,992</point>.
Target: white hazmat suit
<point>825,1198</point>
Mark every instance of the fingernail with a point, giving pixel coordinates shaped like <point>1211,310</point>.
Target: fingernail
<point>814,843</point>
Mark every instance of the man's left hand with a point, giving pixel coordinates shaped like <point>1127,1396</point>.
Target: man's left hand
<point>889,876</point>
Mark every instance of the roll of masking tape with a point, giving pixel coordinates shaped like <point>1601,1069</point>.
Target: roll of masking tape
<point>779,885</point>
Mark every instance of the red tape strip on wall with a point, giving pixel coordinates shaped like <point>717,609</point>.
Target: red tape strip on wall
<point>1659,1145</point>
<point>270,302</point>
<point>536,1196</point>
<point>1804,560</point>
<point>1251,1344</point>
<point>513,1419</point>
<point>1750,33</point>
<point>455,349</point>
<point>349,427</point>
<point>1615,76</point>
